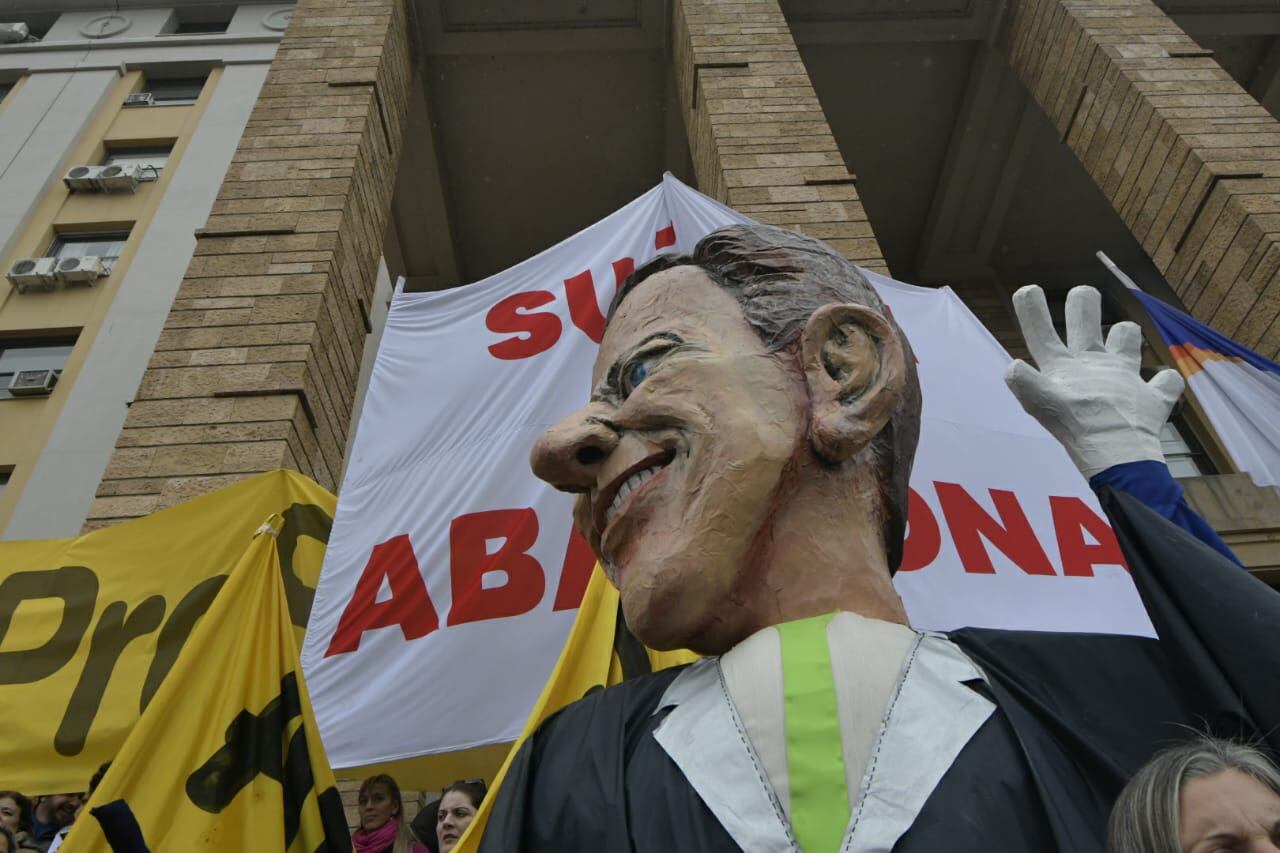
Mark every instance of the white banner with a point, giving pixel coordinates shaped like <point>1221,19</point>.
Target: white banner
<point>451,577</point>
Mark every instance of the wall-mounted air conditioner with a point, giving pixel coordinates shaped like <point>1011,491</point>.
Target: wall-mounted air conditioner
<point>14,33</point>
<point>28,274</point>
<point>84,270</point>
<point>83,178</point>
<point>119,177</point>
<point>33,383</point>
<point>138,99</point>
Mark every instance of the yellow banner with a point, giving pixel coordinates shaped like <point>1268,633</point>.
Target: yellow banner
<point>91,626</point>
<point>227,755</point>
<point>599,652</point>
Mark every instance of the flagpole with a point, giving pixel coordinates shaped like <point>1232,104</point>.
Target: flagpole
<point>1116,271</point>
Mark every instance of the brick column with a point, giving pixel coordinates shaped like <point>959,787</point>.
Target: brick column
<point>1189,160</point>
<point>257,366</point>
<point>759,138</point>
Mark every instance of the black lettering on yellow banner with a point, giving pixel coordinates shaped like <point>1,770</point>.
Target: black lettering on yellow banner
<point>77,586</point>
<point>254,744</point>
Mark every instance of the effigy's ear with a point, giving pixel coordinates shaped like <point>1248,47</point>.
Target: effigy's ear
<point>855,368</point>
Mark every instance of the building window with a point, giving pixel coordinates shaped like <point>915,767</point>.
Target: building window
<point>200,21</point>
<point>150,160</point>
<point>22,354</point>
<point>1181,450</point>
<point>199,28</point>
<point>106,246</point>
<point>172,91</point>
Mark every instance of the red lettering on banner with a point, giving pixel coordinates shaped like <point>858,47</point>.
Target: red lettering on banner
<point>409,606</point>
<point>969,523</point>
<point>924,538</point>
<point>579,560</point>
<point>664,237</point>
<point>1072,517</point>
<point>621,269</point>
<point>584,310</point>
<point>540,331</point>
<point>470,561</point>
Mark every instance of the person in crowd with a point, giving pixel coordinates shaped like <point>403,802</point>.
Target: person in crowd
<point>51,814</point>
<point>15,816</point>
<point>458,805</point>
<point>8,843</point>
<point>94,780</point>
<point>1206,796</point>
<point>423,825</point>
<point>383,828</point>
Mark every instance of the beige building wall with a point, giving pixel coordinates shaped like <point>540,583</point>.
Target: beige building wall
<point>1191,163</point>
<point>256,363</point>
<point>257,366</point>
<point>760,141</point>
<point>1189,159</point>
<point>67,110</point>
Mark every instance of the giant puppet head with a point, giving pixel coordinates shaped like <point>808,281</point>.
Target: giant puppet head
<point>744,457</point>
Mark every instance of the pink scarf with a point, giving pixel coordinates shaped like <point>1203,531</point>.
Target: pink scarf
<point>375,842</point>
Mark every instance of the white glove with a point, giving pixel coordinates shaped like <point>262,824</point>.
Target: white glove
<point>1089,396</point>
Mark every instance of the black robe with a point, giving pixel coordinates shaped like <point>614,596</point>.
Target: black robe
<point>1076,715</point>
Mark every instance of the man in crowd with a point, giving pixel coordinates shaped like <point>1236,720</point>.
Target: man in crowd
<point>742,471</point>
<point>51,814</point>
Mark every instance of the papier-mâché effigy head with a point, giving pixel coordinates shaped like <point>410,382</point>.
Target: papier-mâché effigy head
<point>745,453</point>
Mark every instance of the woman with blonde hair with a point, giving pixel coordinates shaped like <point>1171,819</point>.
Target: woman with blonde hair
<point>383,828</point>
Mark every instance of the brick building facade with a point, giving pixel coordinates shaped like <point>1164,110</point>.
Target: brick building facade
<point>961,142</point>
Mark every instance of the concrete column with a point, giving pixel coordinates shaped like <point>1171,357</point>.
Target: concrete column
<point>53,107</point>
<point>759,138</point>
<point>1189,160</point>
<point>257,366</point>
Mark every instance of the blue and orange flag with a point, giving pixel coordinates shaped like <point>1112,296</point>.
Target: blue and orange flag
<point>1238,389</point>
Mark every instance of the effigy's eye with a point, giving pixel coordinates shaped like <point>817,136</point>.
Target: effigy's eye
<point>635,373</point>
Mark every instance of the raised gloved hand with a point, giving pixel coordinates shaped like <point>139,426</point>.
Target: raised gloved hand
<point>1088,395</point>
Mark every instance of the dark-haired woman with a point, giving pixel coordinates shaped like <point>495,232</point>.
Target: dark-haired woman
<point>15,815</point>
<point>382,825</point>
<point>458,805</point>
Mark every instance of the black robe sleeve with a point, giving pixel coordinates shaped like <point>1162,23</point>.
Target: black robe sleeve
<point>1219,626</point>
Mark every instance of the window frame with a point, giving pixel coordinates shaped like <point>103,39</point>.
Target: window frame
<point>182,101</point>
<point>1192,453</point>
<point>108,261</point>
<point>34,342</point>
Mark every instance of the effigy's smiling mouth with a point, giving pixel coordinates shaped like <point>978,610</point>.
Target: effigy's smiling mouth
<point>617,495</point>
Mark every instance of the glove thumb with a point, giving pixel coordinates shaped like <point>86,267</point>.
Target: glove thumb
<point>1032,389</point>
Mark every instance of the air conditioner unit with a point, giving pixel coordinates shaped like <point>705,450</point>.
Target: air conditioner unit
<point>84,178</point>
<point>33,383</point>
<point>119,177</point>
<point>84,270</point>
<point>138,99</point>
<point>29,274</point>
<point>14,33</point>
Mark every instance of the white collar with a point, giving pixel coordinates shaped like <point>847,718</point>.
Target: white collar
<point>930,718</point>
